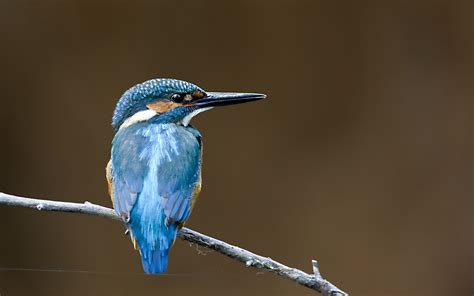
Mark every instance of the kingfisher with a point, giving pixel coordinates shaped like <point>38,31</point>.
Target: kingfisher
<point>154,173</point>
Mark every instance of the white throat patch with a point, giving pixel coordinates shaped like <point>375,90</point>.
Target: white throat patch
<point>138,117</point>
<point>148,114</point>
<point>185,121</point>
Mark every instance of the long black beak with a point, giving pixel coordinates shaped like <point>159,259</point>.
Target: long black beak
<point>214,99</point>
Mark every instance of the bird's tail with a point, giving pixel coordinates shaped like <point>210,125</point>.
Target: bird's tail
<point>155,261</point>
<point>155,256</point>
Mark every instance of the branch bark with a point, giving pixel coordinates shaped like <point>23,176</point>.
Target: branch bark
<point>313,281</point>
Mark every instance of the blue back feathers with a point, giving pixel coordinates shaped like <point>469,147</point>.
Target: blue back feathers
<point>155,168</point>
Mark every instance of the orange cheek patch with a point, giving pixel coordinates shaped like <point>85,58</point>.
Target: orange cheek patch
<point>197,95</point>
<point>162,106</point>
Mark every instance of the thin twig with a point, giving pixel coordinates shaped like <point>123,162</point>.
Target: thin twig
<point>313,281</point>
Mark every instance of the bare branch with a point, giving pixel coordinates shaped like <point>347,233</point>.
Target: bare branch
<point>313,281</point>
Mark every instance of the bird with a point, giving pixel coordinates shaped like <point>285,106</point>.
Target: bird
<point>154,172</point>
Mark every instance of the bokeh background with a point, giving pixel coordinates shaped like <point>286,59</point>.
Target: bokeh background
<point>361,157</point>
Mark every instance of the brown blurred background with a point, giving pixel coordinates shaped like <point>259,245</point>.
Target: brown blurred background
<point>361,157</point>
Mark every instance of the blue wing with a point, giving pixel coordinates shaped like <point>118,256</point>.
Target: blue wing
<point>155,169</point>
<point>170,153</point>
<point>128,170</point>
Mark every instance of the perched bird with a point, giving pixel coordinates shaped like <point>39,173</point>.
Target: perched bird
<point>154,174</point>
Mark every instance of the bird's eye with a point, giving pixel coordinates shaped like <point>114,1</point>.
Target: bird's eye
<point>177,98</point>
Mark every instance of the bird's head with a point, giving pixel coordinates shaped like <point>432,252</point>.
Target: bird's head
<point>171,101</point>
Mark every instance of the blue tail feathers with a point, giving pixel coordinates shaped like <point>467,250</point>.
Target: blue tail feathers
<point>154,253</point>
<point>155,261</point>
<point>152,234</point>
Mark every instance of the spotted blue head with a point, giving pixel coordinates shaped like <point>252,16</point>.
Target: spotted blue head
<point>171,101</point>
